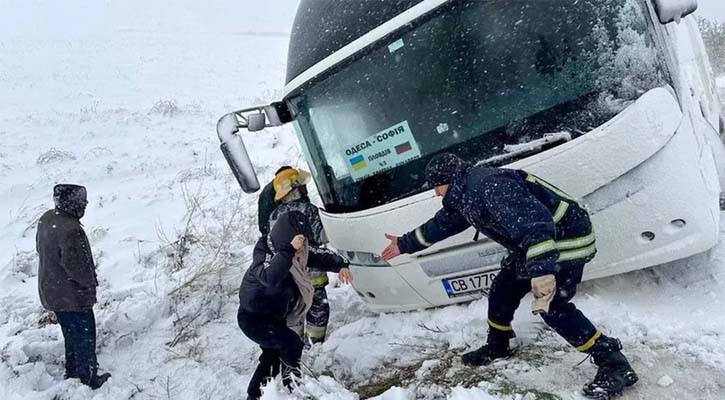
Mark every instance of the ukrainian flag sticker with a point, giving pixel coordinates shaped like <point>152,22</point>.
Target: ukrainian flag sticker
<point>358,162</point>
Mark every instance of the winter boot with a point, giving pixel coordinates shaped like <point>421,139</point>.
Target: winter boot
<point>290,374</point>
<point>614,374</point>
<point>98,380</point>
<point>497,346</point>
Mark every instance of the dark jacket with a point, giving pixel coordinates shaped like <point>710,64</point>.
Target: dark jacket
<point>314,230</point>
<point>531,218</point>
<point>66,273</point>
<point>267,287</point>
<point>265,205</point>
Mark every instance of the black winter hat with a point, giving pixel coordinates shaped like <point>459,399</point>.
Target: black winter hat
<point>442,168</point>
<point>71,199</point>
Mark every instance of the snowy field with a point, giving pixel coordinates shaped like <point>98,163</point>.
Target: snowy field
<point>127,106</point>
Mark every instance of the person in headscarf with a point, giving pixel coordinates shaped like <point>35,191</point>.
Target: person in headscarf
<point>289,193</point>
<point>276,294</point>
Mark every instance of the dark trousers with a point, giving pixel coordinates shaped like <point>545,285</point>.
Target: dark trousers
<point>79,334</point>
<point>281,349</point>
<point>318,316</point>
<point>507,292</point>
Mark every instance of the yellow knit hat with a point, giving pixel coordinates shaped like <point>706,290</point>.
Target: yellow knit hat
<point>287,180</point>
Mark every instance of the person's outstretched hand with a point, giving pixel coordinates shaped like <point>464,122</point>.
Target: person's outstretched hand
<point>345,275</point>
<point>392,250</point>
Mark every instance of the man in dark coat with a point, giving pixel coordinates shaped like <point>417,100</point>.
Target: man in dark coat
<point>549,238</point>
<point>67,281</point>
<point>276,293</point>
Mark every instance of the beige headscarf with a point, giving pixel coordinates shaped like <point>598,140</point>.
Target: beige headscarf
<point>296,317</point>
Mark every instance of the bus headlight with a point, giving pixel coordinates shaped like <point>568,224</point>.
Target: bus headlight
<point>364,259</point>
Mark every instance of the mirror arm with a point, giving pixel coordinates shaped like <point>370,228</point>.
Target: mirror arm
<point>235,153</point>
<point>284,114</point>
<point>277,114</point>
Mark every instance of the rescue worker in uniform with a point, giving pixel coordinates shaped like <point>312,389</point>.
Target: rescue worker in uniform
<point>266,204</point>
<point>549,238</point>
<point>276,294</point>
<point>290,194</point>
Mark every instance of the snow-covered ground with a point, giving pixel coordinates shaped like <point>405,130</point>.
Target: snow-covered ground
<point>127,106</point>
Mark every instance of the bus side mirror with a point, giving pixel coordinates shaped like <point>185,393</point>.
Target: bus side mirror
<point>256,122</point>
<point>234,151</point>
<point>232,146</point>
<point>674,10</point>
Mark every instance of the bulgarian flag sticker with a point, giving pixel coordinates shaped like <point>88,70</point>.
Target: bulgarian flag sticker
<point>402,148</point>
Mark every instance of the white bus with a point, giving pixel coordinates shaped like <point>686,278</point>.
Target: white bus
<point>611,100</point>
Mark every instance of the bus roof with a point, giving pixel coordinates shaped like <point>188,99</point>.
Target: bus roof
<point>322,27</point>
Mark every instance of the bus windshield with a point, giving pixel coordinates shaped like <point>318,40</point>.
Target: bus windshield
<point>470,78</point>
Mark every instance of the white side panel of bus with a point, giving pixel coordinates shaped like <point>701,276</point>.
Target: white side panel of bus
<point>699,92</point>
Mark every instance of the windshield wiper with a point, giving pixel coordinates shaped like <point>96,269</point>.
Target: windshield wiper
<point>517,151</point>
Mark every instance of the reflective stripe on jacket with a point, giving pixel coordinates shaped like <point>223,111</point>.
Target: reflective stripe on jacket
<point>527,215</point>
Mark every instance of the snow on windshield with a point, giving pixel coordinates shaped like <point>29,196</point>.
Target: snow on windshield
<point>471,79</point>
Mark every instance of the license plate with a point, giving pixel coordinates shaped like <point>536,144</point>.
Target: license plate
<point>469,284</point>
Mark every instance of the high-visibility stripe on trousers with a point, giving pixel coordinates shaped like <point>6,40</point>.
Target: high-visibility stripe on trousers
<point>318,278</point>
<point>563,316</point>
<point>318,316</point>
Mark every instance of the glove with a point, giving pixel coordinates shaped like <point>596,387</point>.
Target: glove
<point>543,288</point>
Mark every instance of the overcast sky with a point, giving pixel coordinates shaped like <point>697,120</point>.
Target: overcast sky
<point>190,15</point>
<point>714,9</point>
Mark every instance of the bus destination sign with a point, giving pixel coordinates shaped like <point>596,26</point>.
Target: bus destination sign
<point>382,151</point>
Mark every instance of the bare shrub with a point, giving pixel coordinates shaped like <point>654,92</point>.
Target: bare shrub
<point>167,108</point>
<point>97,233</point>
<point>203,259</point>
<point>192,174</point>
<point>25,263</point>
<point>47,318</point>
<point>98,152</point>
<point>33,224</point>
<point>4,169</point>
<point>713,34</point>
<point>55,155</point>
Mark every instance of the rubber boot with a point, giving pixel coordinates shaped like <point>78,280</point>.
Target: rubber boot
<point>497,346</point>
<point>614,373</point>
